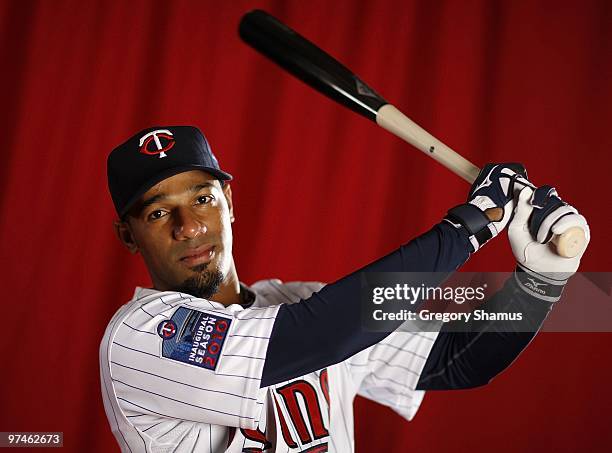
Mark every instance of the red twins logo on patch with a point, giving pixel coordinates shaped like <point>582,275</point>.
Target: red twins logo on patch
<point>155,137</point>
<point>166,329</point>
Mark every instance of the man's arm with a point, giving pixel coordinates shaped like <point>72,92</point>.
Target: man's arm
<point>329,321</point>
<point>460,360</point>
<point>470,359</point>
<point>326,328</point>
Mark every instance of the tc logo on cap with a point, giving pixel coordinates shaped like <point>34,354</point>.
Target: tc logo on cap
<point>155,136</point>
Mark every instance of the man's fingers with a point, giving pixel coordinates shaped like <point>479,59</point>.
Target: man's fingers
<point>568,221</point>
<point>523,208</point>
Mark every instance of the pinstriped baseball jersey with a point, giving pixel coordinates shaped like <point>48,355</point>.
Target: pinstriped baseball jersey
<point>181,374</point>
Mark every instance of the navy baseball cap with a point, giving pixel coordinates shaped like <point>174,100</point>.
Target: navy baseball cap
<point>153,155</point>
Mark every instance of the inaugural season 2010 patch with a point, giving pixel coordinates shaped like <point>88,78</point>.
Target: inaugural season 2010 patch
<point>199,339</point>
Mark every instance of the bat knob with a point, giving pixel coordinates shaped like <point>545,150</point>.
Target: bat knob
<point>570,243</point>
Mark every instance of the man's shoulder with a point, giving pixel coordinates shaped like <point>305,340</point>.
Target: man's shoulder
<point>275,291</point>
<point>150,304</point>
<point>138,321</point>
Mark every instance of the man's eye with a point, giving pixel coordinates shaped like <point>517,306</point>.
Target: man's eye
<point>204,199</point>
<point>158,214</point>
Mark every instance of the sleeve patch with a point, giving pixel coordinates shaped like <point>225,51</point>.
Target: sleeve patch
<point>194,337</point>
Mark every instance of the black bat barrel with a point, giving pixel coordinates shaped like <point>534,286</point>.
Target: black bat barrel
<point>306,61</point>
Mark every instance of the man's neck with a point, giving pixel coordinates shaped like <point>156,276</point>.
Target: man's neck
<point>229,291</point>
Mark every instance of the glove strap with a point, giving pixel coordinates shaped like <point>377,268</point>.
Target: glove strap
<point>474,221</point>
<point>540,286</point>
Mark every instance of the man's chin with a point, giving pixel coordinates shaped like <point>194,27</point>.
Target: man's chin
<point>203,284</point>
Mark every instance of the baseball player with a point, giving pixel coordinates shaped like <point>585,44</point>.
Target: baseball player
<point>201,362</point>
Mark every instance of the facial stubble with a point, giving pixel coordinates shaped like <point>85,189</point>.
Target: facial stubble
<point>204,284</point>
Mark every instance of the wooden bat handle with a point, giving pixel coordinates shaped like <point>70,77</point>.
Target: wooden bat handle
<point>568,244</point>
<point>390,118</point>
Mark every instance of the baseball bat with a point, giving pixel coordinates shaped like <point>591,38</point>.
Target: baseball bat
<point>305,60</point>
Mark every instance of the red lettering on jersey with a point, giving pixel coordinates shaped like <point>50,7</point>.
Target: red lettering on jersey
<point>257,436</point>
<point>324,383</point>
<point>317,449</point>
<point>313,410</point>
<point>284,428</point>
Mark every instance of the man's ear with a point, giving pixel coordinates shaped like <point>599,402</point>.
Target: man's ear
<point>227,191</point>
<point>124,234</point>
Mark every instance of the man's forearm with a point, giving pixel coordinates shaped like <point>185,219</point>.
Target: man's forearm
<point>460,360</point>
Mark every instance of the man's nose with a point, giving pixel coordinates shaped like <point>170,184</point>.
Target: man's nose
<point>187,225</point>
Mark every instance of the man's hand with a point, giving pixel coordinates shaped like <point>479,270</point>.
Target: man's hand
<point>538,216</point>
<point>490,202</point>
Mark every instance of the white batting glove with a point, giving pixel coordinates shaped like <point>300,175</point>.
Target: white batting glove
<point>541,272</point>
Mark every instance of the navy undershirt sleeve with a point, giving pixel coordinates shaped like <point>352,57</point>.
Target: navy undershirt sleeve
<point>326,328</point>
<point>460,360</point>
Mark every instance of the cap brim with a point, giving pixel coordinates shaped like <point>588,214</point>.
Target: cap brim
<point>218,174</point>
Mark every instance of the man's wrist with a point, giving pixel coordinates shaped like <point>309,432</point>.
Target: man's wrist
<point>473,221</point>
<point>544,286</point>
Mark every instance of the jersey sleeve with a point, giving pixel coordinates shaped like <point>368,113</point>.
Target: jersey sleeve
<point>186,358</point>
<point>389,371</point>
<point>466,359</point>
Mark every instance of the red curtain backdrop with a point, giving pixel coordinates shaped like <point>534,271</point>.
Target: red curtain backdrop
<point>319,191</point>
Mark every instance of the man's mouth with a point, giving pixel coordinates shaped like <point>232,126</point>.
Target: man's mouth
<point>198,255</point>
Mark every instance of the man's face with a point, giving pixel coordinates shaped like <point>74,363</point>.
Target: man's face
<point>182,228</point>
